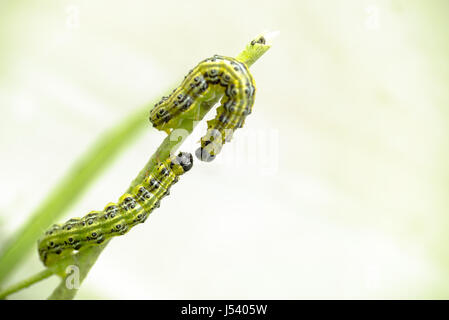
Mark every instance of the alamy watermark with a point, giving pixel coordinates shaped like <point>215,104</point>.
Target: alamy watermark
<point>72,280</point>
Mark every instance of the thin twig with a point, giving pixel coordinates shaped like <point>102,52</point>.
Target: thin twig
<point>44,274</point>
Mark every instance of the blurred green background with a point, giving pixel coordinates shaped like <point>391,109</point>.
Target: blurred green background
<point>336,187</point>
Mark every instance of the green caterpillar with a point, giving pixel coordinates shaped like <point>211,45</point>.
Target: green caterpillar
<point>116,219</point>
<point>214,77</point>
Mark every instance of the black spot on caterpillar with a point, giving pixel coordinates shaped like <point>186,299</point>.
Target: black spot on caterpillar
<point>116,218</point>
<point>260,40</point>
<point>216,76</point>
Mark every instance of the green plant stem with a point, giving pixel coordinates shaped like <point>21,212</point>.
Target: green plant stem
<point>44,274</point>
<point>85,259</point>
<point>70,188</point>
<point>84,262</point>
<point>171,143</point>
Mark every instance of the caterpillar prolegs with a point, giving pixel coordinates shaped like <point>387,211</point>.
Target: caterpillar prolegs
<point>211,78</point>
<point>116,218</point>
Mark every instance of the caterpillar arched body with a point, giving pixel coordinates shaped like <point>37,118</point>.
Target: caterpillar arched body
<point>216,76</point>
<point>116,218</point>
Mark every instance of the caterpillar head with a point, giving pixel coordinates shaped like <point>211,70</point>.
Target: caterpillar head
<point>183,162</point>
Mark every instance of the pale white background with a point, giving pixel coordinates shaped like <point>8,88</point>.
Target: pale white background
<point>335,188</point>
